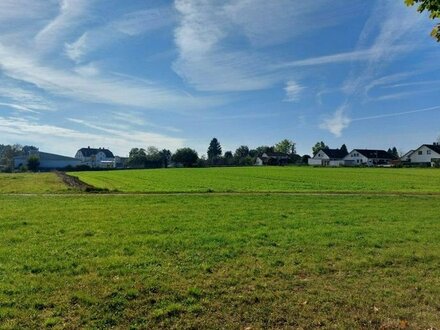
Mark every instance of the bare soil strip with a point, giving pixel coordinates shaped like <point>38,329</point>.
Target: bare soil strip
<point>77,184</point>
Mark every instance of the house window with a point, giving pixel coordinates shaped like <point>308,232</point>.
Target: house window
<point>420,152</point>
<point>428,152</point>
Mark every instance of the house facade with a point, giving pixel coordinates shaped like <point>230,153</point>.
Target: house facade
<point>47,160</point>
<point>368,157</point>
<point>426,154</point>
<point>96,157</point>
<point>272,158</point>
<point>328,157</point>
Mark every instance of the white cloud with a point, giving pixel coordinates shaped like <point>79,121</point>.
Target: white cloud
<point>293,91</point>
<point>71,14</point>
<point>76,50</point>
<point>336,123</point>
<point>88,70</point>
<point>129,25</point>
<point>67,141</point>
<point>352,56</point>
<point>96,89</point>
<point>23,99</point>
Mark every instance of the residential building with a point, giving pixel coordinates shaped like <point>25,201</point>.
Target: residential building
<point>368,157</point>
<point>96,157</point>
<point>426,154</point>
<point>328,157</point>
<point>272,158</point>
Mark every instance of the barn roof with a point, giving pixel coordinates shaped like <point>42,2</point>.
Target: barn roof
<point>87,152</point>
<point>334,153</point>
<point>434,147</point>
<point>373,153</point>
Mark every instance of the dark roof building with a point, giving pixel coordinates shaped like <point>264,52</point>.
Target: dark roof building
<point>334,153</point>
<point>372,153</point>
<point>88,152</point>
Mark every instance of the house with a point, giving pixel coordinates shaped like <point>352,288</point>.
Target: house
<point>368,157</point>
<point>328,157</point>
<point>426,154</point>
<point>47,160</point>
<point>96,157</point>
<point>272,158</point>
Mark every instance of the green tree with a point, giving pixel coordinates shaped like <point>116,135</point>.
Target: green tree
<point>344,149</point>
<point>186,156</point>
<point>394,152</point>
<point>33,163</point>
<point>214,150</point>
<point>153,154</point>
<point>319,146</point>
<point>286,146</point>
<point>165,156</point>
<point>263,149</point>
<point>137,157</point>
<point>229,158</point>
<point>433,6</point>
<point>241,152</point>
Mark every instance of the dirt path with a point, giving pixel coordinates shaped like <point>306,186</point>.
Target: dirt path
<point>77,184</point>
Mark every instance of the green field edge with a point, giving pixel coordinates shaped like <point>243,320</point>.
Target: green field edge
<point>226,193</point>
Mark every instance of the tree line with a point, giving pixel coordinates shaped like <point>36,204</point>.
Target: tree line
<point>152,157</point>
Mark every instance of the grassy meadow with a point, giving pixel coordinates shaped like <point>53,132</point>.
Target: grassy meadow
<point>267,179</point>
<point>32,183</point>
<point>250,261</point>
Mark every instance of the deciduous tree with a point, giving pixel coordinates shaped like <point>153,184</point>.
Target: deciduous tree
<point>433,6</point>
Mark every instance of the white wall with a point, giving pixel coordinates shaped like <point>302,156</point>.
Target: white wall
<point>355,158</point>
<point>423,155</point>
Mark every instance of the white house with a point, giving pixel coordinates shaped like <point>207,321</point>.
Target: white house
<point>96,157</point>
<point>272,158</point>
<point>368,157</point>
<point>425,154</point>
<point>328,157</point>
<point>48,161</point>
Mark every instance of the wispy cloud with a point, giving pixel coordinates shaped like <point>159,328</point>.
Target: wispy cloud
<point>397,114</point>
<point>97,89</point>
<point>293,91</point>
<point>337,122</point>
<point>209,62</point>
<point>71,14</point>
<point>352,56</point>
<point>129,25</point>
<point>67,140</point>
<point>23,99</point>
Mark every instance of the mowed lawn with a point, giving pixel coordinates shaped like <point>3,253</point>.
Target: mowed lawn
<point>220,261</point>
<point>31,183</point>
<point>267,179</point>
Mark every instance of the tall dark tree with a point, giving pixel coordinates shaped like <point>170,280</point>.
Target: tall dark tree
<point>165,156</point>
<point>394,152</point>
<point>137,157</point>
<point>214,149</point>
<point>319,146</point>
<point>33,164</point>
<point>27,149</point>
<point>344,149</point>
<point>433,6</point>
<point>241,152</point>
<point>186,156</point>
<point>262,149</point>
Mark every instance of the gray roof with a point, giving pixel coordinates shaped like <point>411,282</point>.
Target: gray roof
<point>372,153</point>
<point>87,152</point>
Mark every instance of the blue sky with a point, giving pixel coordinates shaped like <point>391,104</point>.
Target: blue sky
<point>123,74</point>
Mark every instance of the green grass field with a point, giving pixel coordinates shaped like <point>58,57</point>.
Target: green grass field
<point>31,183</point>
<point>231,261</point>
<point>270,179</point>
